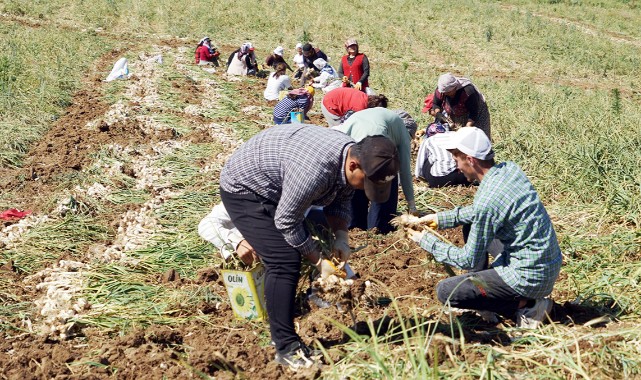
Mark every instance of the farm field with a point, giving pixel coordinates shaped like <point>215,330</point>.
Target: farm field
<point>108,278</point>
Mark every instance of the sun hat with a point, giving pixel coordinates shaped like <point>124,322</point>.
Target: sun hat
<point>249,45</point>
<point>380,163</point>
<point>279,50</point>
<point>446,83</point>
<point>469,140</point>
<point>299,45</point>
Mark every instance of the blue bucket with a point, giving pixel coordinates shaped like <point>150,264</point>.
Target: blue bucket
<point>297,117</point>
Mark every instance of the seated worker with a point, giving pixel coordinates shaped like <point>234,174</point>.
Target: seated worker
<point>301,99</point>
<point>277,82</point>
<point>339,104</point>
<point>435,164</point>
<point>354,67</point>
<point>218,229</point>
<point>310,54</point>
<point>328,79</point>
<point>242,61</point>
<point>381,122</point>
<point>506,207</point>
<point>462,101</point>
<point>275,58</point>
<point>206,54</point>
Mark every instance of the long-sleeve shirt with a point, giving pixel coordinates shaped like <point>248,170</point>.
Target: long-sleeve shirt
<point>309,61</point>
<point>365,66</point>
<point>294,166</point>
<point>218,229</point>
<point>506,207</point>
<point>381,121</point>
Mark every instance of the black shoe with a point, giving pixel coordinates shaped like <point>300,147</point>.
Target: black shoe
<point>297,355</point>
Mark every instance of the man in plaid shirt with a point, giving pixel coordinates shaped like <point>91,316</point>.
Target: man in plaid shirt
<point>506,209</point>
<point>269,183</point>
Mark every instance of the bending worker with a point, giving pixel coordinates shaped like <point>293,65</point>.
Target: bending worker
<point>269,183</point>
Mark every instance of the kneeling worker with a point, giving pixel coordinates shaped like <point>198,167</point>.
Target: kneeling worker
<point>507,208</point>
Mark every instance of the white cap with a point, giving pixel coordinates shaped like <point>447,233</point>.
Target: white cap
<point>469,140</point>
<point>279,50</point>
<point>299,45</point>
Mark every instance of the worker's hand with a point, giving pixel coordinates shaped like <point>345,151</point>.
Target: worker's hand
<point>345,79</point>
<point>340,247</point>
<point>325,267</point>
<point>246,253</point>
<point>358,86</point>
<point>415,235</point>
<point>431,220</point>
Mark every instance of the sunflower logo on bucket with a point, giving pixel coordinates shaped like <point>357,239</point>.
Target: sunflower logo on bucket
<point>243,302</point>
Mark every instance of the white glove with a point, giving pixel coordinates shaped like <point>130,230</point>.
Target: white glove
<point>415,235</point>
<point>341,245</point>
<point>431,220</point>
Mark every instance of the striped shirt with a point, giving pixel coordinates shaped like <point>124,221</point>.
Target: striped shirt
<point>295,166</point>
<point>441,161</point>
<point>505,207</point>
<point>287,105</point>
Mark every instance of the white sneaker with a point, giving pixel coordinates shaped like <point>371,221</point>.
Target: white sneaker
<point>532,317</point>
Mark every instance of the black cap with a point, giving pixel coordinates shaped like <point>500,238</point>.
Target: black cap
<point>307,47</point>
<point>379,160</point>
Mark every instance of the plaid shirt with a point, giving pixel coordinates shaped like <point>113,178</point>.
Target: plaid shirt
<point>295,166</point>
<point>506,207</point>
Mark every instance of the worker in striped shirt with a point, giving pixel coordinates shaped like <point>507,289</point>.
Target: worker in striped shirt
<point>506,208</point>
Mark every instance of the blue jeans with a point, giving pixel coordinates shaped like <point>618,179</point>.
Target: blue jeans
<point>367,215</point>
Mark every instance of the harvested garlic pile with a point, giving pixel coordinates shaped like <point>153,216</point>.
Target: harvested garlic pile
<point>58,304</point>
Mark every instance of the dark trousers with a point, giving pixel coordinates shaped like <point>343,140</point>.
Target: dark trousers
<point>254,218</point>
<point>367,215</point>
<point>455,178</point>
<point>479,289</point>
<point>482,290</point>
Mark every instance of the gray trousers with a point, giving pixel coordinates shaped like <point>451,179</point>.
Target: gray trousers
<point>331,119</point>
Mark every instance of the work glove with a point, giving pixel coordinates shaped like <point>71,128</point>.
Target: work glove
<point>415,235</point>
<point>430,220</point>
<point>340,246</point>
<point>358,86</point>
<point>325,267</point>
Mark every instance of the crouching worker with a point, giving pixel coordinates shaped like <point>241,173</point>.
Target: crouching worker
<point>218,229</point>
<point>269,183</point>
<point>506,208</point>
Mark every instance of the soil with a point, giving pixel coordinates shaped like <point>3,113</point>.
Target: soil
<point>222,346</point>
